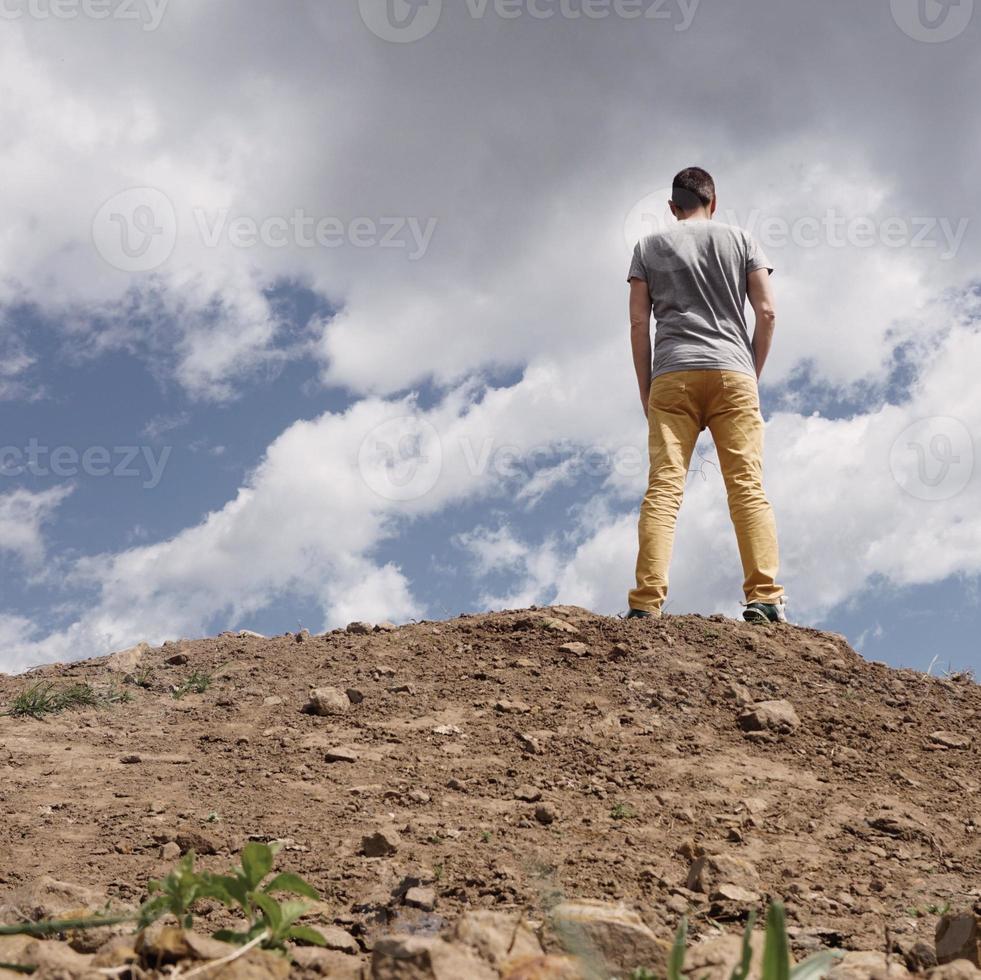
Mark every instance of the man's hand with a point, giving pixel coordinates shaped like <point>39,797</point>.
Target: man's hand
<point>760,294</point>
<point>640,337</point>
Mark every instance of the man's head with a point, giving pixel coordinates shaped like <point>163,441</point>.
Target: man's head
<point>693,194</point>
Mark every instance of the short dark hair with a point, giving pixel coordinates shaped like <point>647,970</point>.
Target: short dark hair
<point>693,188</point>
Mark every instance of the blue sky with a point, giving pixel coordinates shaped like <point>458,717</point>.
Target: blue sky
<point>334,309</point>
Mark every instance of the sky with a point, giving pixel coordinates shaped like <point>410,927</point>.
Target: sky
<point>316,311</point>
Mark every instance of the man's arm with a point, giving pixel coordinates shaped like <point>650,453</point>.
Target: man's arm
<point>760,294</point>
<point>640,336</point>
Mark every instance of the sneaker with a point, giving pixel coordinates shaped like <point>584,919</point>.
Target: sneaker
<point>766,612</point>
<point>642,614</point>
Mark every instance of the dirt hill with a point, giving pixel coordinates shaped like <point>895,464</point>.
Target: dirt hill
<point>511,762</point>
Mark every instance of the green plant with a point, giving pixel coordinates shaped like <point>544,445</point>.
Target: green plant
<point>141,677</point>
<point>623,811</point>
<point>46,698</point>
<point>486,836</point>
<point>197,683</point>
<point>176,894</point>
<point>266,916</point>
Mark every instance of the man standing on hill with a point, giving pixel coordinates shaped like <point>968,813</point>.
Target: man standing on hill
<point>695,277</point>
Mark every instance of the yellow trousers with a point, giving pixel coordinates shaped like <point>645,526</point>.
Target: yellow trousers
<point>681,405</point>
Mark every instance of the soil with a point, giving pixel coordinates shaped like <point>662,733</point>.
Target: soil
<point>512,760</point>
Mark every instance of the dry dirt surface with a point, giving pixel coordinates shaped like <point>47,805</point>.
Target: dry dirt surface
<point>512,762</point>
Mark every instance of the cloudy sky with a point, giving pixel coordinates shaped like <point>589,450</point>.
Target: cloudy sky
<point>315,311</point>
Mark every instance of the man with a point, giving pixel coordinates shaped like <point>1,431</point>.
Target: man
<point>695,277</point>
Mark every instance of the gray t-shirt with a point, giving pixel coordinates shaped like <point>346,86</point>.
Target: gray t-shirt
<point>696,272</point>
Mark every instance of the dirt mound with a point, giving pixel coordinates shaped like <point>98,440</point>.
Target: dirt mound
<point>513,762</point>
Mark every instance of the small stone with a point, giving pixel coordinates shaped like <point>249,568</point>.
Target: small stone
<point>421,898</point>
<point>574,649</point>
<point>303,636</point>
<point>528,794</point>
<point>776,716</point>
<point>385,627</point>
<point>133,759</point>
<point>554,625</point>
<point>326,701</point>
<point>419,796</point>
<point>354,695</point>
<point>951,740</point>
<point>512,707</point>
<point>339,939</point>
<point>341,754</point>
<point>191,840</point>
<point>457,785</point>
<point>171,851</point>
<point>401,689</point>
<point>251,635</point>
<point>530,743</point>
<point>359,629</point>
<point>544,814</point>
<point>272,701</point>
<point>620,652</point>
<point>710,872</point>
<point>381,843</point>
<point>177,660</point>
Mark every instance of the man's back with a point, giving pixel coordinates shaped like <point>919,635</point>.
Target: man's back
<point>696,273</point>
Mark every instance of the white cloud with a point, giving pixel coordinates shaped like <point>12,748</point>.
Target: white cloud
<point>23,515</point>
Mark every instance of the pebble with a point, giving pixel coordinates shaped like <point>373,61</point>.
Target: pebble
<point>359,629</point>
<point>327,701</point>
<point>341,754</point>
<point>381,843</point>
<point>512,707</point>
<point>131,760</point>
<point>421,898</point>
<point>545,814</point>
<point>528,794</point>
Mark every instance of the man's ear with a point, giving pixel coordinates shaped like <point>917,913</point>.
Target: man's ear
<point>674,209</point>
<point>713,206</point>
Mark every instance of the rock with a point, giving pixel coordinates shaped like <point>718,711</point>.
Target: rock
<point>734,894</point>
<point>327,963</point>
<point>543,968</point>
<point>354,695</point>
<point>496,937</point>
<point>528,794</point>
<point>776,716</point>
<point>385,627</point>
<point>545,814</point>
<point>951,740</point>
<point>52,958</point>
<point>955,970</point>
<point>126,661</point>
<point>325,701</point>
<point>131,760</point>
<point>251,634</point>
<point>574,649</point>
<point>919,957</point>
<point>48,898</point>
<point>716,958</point>
<point>339,939</point>
<point>554,625</point>
<point>117,951</point>
<point>170,851</point>
<point>529,743</point>
<point>739,694</point>
<point>359,629</point>
<point>711,871</point>
<point>272,701</point>
<point>447,730</point>
<point>958,937</point>
<point>512,707</point>
<point>612,939</point>
<point>384,842</point>
<point>421,898</point>
<point>426,958</point>
<point>341,754</point>
<point>419,796</point>
<point>177,660</point>
<point>862,964</point>
<point>191,840</point>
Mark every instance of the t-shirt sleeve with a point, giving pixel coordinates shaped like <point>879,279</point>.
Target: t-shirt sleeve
<point>755,256</point>
<point>637,268</point>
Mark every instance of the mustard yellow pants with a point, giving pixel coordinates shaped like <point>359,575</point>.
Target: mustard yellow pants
<point>681,405</point>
